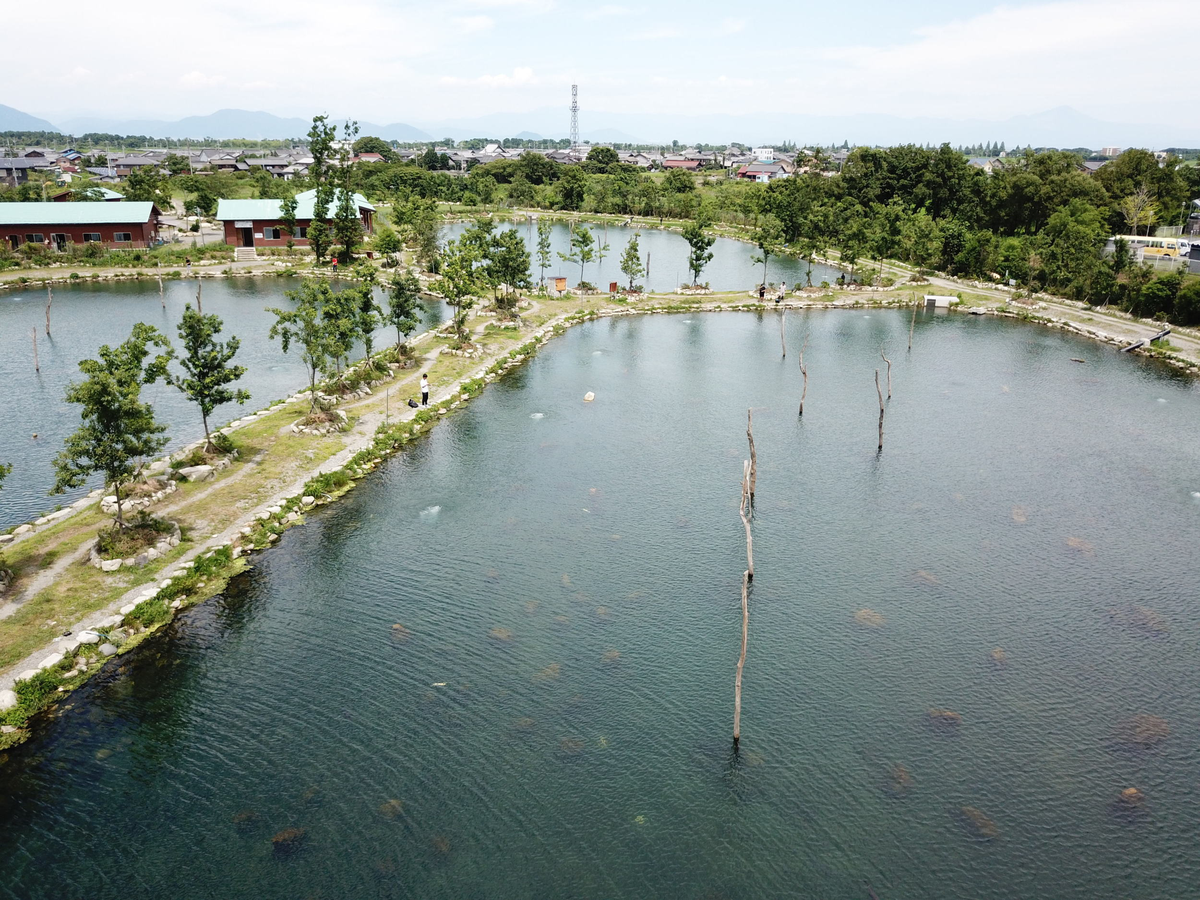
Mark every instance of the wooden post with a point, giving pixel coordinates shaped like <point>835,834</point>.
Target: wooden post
<point>49,303</point>
<point>782,340</point>
<point>744,512</point>
<point>913,323</point>
<point>804,372</point>
<point>199,308</point>
<point>737,685</point>
<point>36,367</point>
<point>753,476</point>
<point>889,371</point>
<point>879,391</point>
<point>161,298</point>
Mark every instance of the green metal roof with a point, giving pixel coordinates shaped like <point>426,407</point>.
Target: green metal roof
<point>123,212</point>
<point>249,210</point>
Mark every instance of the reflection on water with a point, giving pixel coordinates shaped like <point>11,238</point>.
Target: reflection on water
<point>86,316</point>
<point>665,253</point>
<point>942,699</point>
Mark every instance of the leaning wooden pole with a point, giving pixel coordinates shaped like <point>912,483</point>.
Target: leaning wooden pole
<point>782,339</point>
<point>745,510</point>
<point>161,297</point>
<point>199,308</point>
<point>36,366</point>
<point>49,303</point>
<point>747,577</point>
<point>889,370</point>
<point>913,323</point>
<point>804,372</point>
<point>879,391</point>
<point>753,456</point>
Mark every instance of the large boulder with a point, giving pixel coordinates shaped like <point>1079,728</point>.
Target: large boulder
<point>108,649</point>
<point>196,473</point>
<point>89,637</point>
<point>8,699</point>
<point>110,565</point>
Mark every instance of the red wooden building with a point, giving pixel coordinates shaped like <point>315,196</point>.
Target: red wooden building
<point>117,224</point>
<point>256,223</point>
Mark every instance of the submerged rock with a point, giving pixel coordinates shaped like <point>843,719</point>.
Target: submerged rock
<point>978,825</point>
<point>551,671</point>
<point>288,841</point>
<point>869,618</point>
<point>400,634</point>
<point>501,634</point>
<point>1143,731</point>
<point>1130,806</point>
<point>570,746</point>
<point>899,781</point>
<point>943,718</point>
<point>997,658</point>
<point>611,656</point>
<point>1079,545</point>
<point>1140,619</point>
<point>391,808</point>
<point>245,818</point>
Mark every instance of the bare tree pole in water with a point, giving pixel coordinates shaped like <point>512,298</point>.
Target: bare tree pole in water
<point>49,303</point>
<point>804,372</point>
<point>161,298</point>
<point>747,577</point>
<point>889,371</point>
<point>879,391</point>
<point>913,323</point>
<point>199,308</point>
<point>36,367</point>
<point>753,479</point>
<point>782,340</point>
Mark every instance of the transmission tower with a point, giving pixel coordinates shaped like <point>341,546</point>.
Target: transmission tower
<point>574,119</point>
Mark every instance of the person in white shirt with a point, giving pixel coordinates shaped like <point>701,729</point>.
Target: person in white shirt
<point>424,390</point>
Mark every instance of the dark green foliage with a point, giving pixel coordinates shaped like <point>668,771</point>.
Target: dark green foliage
<point>404,294</point>
<point>118,430</point>
<point>699,241</point>
<point>206,365</point>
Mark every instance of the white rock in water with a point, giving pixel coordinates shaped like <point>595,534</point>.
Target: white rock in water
<point>52,660</point>
<point>8,699</point>
<point>589,397</point>
<point>89,637</point>
<point>308,501</point>
<point>108,649</point>
<point>110,565</point>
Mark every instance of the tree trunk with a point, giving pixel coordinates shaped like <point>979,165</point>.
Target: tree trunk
<point>889,371</point>
<point>804,372</point>
<point>49,303</point>
<point>207,437</point>
<point>36,366</point>
<point>161,299</point>
<point>199,307</point>
<point>879,391</point>
<point>744,510</point>
<point>120,513</point>
<point>782,340</point>
<point>913,323</point>
<point>753,482</point>
<point>737,687</point>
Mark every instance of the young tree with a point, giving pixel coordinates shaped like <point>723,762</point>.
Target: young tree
<point>305,326</point>
<point>386,242</point>
<point>459,282</point>
<point>347,226</point>
<point>404,293</point>
<point>543,250</point>
<point>145,183</point>
<point>205,362</point>
<point>582,252</point>
<point>368,314</point>
<point>572,188</point>
<point>631,261</point>
<point>320,148</point>
<point>508,258</point>
<point>768,237</point>
<point>700,242</point>
<point>287,219</point>
<point>118,430</point>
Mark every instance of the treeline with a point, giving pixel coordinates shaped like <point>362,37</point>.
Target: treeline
<point>1041,221</point>
<point>102,141</point>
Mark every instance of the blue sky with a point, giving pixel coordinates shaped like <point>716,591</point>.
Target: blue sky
<point>388,61</point>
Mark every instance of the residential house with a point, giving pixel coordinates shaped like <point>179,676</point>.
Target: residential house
<point>257,223</point>
<point>122,224</point>
<point>988,164</point>
<point>15,172</point>
<point>106,196</point>
<point>763,172</point>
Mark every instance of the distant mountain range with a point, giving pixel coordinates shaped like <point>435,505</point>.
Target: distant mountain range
<point>1062,127</point>
<point>15,120</point>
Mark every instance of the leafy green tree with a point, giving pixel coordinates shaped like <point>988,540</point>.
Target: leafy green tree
<point>145,183</point>
<point>287,219</point>
<point>320,147</point>
<point>700,242</point>
<point>572,188</point>
<point>206,366</point>
<point>582,249</point>
<point>88,194</point>
<point>118,431</point>
<point>202,204</point>
<point>176,164</point>
<point>521,192</point>
<point>538,169</point>
<point>768,238</point>
<point>5,471</point>
<point>544,230</point>
<point>460,281</point>
<point>601,161</point>
<point>320,239</point>
<point>679,181</point>
<point>508,257</point>
<point>368,313</point>
<point>631,261</point>
<point>370,144</point>
<point>304,327</point>
<point>386,242</point>
<point>404,295</point>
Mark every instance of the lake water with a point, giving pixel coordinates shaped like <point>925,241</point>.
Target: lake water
<point>554,718</point>
<point>84,317</point>
<point>731,268</point>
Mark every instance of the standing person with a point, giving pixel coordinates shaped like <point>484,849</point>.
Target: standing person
<point>188,260</point>
<point>424,389</point>
<point>335,264</point>
<point>762,292</point>
<point>782,291</point>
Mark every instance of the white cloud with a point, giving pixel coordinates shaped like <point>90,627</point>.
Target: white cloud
<point>664,33</point>
<point>732,26</point>
<point>196,79</point>
<point>522,75</point>
<point>475,23</point>
<point>608,11</point>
